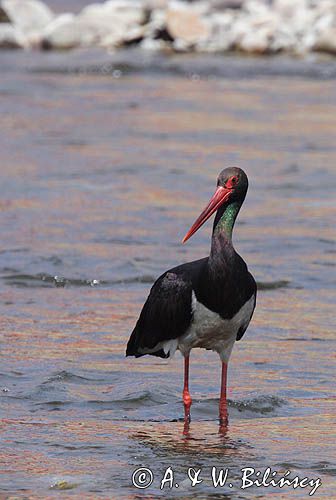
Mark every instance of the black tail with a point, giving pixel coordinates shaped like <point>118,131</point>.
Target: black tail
<point>133,344</point>
<point>134,347</point>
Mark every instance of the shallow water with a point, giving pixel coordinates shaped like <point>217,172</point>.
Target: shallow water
<point>101,175</point>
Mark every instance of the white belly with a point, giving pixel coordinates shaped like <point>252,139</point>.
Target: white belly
<point>209,331</point>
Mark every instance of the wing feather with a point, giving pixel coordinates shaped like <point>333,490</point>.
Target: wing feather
<point>165,316</point>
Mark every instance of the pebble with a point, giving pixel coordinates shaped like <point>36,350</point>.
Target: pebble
<point>187,24</point>
<point>29,17</point>
<point>11,37</point>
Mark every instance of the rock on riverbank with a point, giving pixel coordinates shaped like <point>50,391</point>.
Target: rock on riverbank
<point>251,26</point>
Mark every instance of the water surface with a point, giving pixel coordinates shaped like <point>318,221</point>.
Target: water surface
<point>101,174</point>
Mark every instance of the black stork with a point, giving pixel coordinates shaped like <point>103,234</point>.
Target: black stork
<point>206,303</point>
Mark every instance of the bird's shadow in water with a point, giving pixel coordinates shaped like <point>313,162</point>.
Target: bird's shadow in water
<point>222,429</point>
<point>187,439</point>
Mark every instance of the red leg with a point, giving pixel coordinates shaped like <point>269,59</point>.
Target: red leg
<point>186,395</point>
<point>223,413</point>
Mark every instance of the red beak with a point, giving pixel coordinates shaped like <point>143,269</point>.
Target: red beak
<point>220,196</point>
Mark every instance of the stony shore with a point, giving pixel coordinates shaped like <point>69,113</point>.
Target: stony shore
<point>249,26</point>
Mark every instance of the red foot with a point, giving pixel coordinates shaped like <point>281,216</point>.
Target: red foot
<point>187,404</point>
<point>187,398</point>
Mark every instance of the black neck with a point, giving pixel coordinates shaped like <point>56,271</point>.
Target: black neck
<point>223,227</point>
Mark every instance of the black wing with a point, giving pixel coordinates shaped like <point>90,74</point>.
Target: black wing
<point>166,315</point>
<point>253,286</point>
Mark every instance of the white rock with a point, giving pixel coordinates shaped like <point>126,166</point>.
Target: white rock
<point>256,42</point>
<point>114,22</point>
<point>126,12</point>
<point>302,22</point>
<point>133,34</point>
<point>156,23</point>
<point>154,45</point>
<point>255,28</point>
<point>154,5</point>
<point>256,8</point>
<point>324,22</point>
<point>283,39</point>
<point>27,15</point>
<point>306,43</point>
<point>326,41</point>
<point>109,25</point>
<point>11,37</point>
<point>64,32</point>
<point>123,37</point>
<point>325,7</point>
<point>289,8</point>
<point>220,37</point>
<point>156,37</point>
<point>187,24</point>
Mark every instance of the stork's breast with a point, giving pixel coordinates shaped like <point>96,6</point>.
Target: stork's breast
<point>210,331</point>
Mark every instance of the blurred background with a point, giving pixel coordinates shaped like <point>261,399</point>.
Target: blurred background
<point>112,135</point>
<point>298,27</point>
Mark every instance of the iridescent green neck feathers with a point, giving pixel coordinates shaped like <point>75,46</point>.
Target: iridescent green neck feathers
<point>225,220</point>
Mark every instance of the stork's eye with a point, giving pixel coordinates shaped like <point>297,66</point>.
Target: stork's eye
<point>232,182</point>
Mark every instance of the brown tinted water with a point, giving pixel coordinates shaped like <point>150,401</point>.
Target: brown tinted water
<point>101,174</point>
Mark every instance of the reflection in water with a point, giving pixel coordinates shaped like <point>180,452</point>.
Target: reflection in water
<point>99,180</point>
<point>187,439</point>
